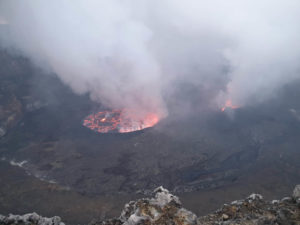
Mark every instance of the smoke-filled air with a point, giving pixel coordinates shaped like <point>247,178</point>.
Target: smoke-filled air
<point>104,102</point>
<point>138,54</point>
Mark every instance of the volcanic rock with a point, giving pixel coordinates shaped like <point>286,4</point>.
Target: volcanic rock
<point>164,208</point>
<point>254,210</point>
<point>30,219</point>
<point>296,193</point>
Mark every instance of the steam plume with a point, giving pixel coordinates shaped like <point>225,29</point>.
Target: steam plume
<point>131,53</point>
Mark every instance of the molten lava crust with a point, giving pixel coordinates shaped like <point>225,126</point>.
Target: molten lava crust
<point>119,121</point>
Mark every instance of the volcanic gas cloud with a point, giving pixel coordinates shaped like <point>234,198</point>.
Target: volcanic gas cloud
<point>229,105</point>
<point>119,121</point>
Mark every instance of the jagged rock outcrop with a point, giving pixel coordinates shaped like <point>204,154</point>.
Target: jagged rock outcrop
<point>296,193</point>
<point>29,219</point>
<point>165,209</point>
<point>254,210</point>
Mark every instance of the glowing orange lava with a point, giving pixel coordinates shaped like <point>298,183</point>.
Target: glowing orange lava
<point>119,121</point>
<point>229,104</point>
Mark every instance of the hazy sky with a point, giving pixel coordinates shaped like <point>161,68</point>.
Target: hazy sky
<point>135,54</point>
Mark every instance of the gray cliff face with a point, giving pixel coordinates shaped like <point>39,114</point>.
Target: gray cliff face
<point>165,208</point>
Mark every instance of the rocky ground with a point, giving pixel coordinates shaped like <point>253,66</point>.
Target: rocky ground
<point>255,210</point>
<point>30,219</point>
<point>166,208</point>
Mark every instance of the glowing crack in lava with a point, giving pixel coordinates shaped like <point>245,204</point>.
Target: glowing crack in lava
<point>119,121</point>
<point>229,104</point>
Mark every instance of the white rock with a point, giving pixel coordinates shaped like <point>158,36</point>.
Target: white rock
<point>163,197</point>
<point>31,218</point>
<point>133,219</point>
<point>296,193</point>
<point>255,196</point>
<point>237,202</point>
<point>275,202</point>
<point>286,199</point>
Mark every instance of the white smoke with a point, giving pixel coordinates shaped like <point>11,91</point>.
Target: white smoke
<point>128,53</point>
